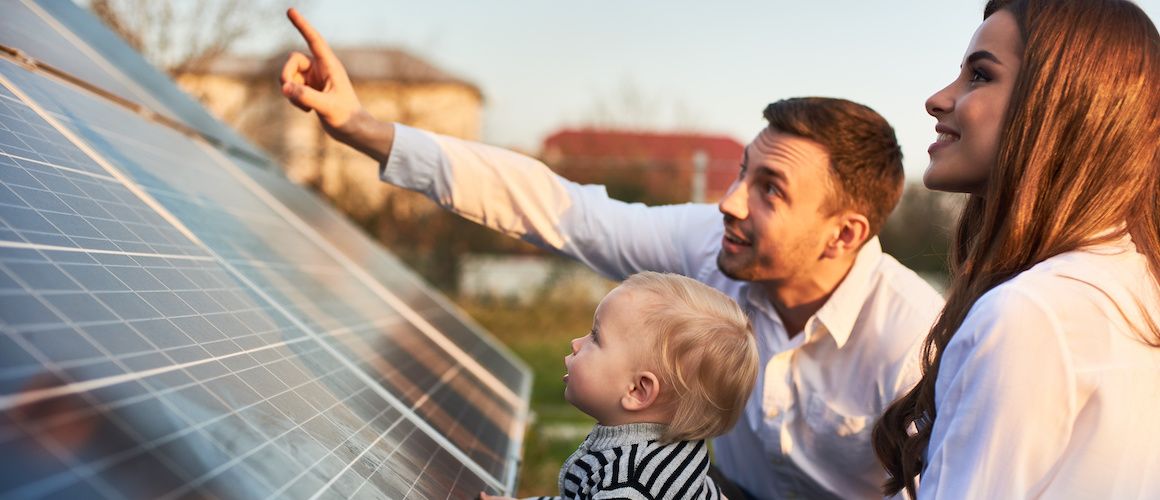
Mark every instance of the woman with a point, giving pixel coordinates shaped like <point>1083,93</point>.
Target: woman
<point>1042,376</point>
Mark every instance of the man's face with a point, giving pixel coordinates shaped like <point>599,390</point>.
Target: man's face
<point>775,223</point>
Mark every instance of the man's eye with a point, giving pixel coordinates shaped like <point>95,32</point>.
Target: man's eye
<point>771,189</point>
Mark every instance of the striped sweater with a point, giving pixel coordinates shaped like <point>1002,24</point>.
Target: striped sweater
<point>627,461</point>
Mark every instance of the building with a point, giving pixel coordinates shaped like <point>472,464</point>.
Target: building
<point>643,166</point>
<point>392,84</point>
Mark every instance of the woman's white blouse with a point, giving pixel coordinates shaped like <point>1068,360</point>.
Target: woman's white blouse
<point>1047,389</point>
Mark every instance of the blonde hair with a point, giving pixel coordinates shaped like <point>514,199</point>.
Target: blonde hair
<point>706,350</point>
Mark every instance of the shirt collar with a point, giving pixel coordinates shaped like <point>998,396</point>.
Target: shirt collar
<point>606,438</point>
<point>840,312</point>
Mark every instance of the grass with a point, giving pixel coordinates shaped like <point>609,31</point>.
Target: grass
<point>539,333</point>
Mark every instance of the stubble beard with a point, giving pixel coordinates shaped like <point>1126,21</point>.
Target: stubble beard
<point>743,272</point>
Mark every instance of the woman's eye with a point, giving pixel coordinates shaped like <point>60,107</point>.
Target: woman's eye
<point>979,76</point>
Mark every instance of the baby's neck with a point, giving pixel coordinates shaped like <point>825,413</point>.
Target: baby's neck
<point>650,416</point>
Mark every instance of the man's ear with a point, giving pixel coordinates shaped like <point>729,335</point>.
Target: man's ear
<point>848,235</point>
<point>643,392</point>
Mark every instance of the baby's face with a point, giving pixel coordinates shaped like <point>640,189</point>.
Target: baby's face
<point>603,364</point>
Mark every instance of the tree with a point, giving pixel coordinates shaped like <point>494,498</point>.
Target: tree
<point>185,36</point>
<point>918,232</point>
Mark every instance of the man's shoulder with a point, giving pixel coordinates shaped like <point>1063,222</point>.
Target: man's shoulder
<point>904,292</point>
<point>899,310</point>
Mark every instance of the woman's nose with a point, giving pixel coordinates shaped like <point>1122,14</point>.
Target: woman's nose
<point>940,102</point>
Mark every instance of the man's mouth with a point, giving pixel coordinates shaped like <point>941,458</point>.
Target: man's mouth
<point>735,240</point>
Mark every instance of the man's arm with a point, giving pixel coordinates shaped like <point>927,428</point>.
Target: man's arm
<point>505,191</point>
<point>521,197</point>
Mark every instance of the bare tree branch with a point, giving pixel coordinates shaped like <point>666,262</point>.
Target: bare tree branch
<point>182,37</point>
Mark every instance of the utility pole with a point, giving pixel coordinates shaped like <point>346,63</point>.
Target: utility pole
<point>700,167</point>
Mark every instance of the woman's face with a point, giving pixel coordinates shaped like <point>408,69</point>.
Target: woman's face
<point>971,109</point>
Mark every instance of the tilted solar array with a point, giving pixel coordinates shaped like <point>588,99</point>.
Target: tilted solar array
<point>179,320</point>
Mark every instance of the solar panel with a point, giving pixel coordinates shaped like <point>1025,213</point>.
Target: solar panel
<point>175,321</point>
<point>66,38</point>
<point>402,282</point>
<point>26,28</point>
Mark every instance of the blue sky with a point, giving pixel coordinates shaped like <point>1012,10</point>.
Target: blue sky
<point>681,64</point>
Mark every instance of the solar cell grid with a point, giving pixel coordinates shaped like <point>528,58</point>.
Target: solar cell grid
<point>394,353</point>
<point>221,212</point>
<point>23,27</point>
<point>401,282</point>
<point>478,422</point>
<point>69,39</point>
<point>176,320</point>
<point>167,356</point>
<point>461,329</point>
<point>279,258</point>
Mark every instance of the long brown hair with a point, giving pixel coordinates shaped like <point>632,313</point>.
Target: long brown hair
<point>1079,155</point>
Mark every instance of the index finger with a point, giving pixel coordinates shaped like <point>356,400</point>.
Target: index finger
<point>317,44</point>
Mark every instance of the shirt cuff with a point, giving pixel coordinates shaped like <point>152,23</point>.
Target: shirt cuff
<point>415,157</point>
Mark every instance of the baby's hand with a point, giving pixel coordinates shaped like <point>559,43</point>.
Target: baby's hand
<point>485,496</point>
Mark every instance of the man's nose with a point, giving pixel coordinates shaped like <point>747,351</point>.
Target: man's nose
<point>735,203</point>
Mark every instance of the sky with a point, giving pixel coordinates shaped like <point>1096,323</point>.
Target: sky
<point>708,67</point>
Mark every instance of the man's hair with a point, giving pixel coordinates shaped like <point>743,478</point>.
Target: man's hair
<point>706,353</point>
<point>865,158</point>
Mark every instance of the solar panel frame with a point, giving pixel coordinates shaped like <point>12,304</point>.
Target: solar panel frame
<point>109,64</point>
<point>26,28</point>
<point>94,245</point>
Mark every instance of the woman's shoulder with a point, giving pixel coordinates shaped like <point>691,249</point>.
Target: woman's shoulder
<point>1100,289</point>
<point>1109,273</point>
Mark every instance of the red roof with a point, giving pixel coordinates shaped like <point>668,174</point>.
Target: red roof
<point>594,150</point>
<point>612,144</point>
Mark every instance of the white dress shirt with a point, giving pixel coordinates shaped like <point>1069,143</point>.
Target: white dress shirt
<point>806,428</point>
<point>1047,389</point>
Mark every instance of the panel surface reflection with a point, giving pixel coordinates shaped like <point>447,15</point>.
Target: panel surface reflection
<point>135,364</point>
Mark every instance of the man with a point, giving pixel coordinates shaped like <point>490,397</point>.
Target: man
<point>839,323</point>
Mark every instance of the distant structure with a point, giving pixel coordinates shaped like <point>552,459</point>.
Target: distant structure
<point>393,85</point>
<point>647,167</point>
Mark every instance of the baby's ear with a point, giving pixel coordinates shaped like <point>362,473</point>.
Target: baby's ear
<point>643,392</point>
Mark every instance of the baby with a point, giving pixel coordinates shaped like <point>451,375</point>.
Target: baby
<point>669,363</point>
